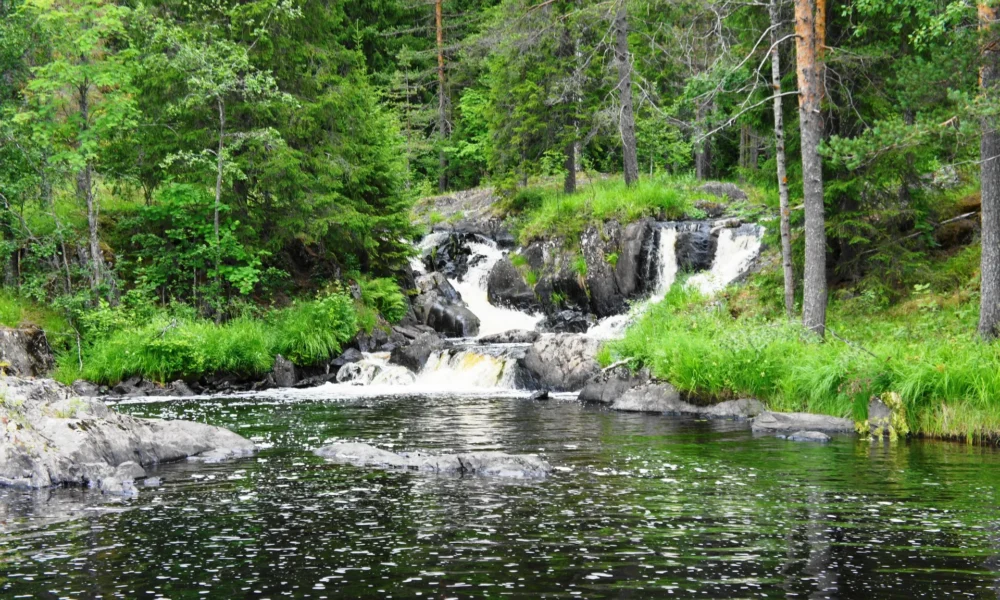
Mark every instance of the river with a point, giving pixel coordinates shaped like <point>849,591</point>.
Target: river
<point>640,506</point>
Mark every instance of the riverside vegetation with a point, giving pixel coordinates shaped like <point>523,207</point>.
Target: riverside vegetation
<point>192,188</point>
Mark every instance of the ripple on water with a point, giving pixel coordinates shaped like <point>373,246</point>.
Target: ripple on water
<point>639,506</point>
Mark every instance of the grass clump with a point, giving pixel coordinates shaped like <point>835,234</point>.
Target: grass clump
<point>546,213</point>
<point>737,346</point>
<point>173,344</point>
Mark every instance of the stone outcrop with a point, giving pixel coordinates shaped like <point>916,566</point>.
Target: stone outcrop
<point>565,321</point>
<point>48,437</point>
<point>497,464</point>
<point>506,287</point>
<point>450,256</point>
<point>439,306</point>
<point>655,397</point>
<point>611,384</point>
<point>514,336</point>
<point>774,422</point>
<point>806,436</point>
<point>721,189</point>
<point>563,362</point>
<point>25,352</point>
<point>744,408</point>
<point>414,356</point>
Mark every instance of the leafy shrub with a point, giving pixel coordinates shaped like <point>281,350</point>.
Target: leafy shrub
<point>312,331</point>
<point>383,294</point>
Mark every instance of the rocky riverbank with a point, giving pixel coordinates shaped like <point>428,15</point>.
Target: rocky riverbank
<point>49,436</point>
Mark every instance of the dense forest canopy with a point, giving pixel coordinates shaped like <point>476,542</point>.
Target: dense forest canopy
<point>207,153</point>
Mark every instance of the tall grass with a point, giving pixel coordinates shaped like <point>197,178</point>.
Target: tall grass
<point>548,213</point>
<point>927,353</point>
<point>171,347</point>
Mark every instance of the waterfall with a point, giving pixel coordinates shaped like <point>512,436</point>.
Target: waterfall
<point>455,369</point>
<point>738,247</point>
<point>472,286</point>
<point>736,250</point>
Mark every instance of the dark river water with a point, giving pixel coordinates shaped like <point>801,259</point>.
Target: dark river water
<point>641,506</point>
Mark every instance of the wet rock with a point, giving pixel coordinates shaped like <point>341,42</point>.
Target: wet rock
<point>806,436</point>
<point>450,256</point>
<point>654,397</point>
<point>350,355</point>
<point>370,342</point>
<point>774,422</point>
<point>317,380</point>
<point>744,408</point>
<point>415,355</point>
<point>630,273</point>
<point>539,395</point>
<point>180,388</point>
<point>514,336</point>
<point>86,389</point>
<point>565,321</point>
<point>133,386</point>
<point>51,437</point>
<point>611,384</point>
<point>439,306</point>
<point>696,246</point>
<point>26,352</point>
<point>879,418</point>
<point>498,464</point>
<point>721,189</point>
<point>283,371</point>
<point>597,245</point>
<point>563,362</point>
<point>506,287</point>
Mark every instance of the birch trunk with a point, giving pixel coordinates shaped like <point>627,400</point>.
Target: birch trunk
<point>811,127</point>
<point>779,153</point>
<point>85,189</point>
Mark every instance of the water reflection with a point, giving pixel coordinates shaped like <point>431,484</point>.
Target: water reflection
<point>641,506</point>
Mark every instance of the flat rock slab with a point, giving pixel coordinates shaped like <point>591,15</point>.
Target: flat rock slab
<point>744,408</point>
<point>806,436</point>
<point>50,437</point>
<point>496,464</point>
<point>774,422</point>
<point>665,399</point>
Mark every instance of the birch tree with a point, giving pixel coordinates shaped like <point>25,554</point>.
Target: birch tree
<point>779,152</point>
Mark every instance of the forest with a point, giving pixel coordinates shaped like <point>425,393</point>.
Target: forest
<point>249,176</point>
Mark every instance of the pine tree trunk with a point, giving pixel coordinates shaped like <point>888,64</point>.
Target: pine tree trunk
<point>779,153</point>
<point>569,183</point>
<point>989,154</point>
<point>85,189</point>
<point>811,128</point>
<point>442,104</point>
<point>626,120</point>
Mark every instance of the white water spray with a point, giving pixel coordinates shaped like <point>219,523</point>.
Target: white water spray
<point>473,286</point>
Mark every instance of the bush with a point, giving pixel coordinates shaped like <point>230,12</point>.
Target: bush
<point>948,380</point>
<point>174,345</point>
<point>313,331</point>
<point>383,294</point>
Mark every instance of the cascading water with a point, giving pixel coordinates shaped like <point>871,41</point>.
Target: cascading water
<point>737,248</point>
<point>473,286</point>
<point>469,368</point>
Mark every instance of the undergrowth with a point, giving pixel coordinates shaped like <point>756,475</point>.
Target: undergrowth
<point>924,348</point>
<point>163,344</point>
<point>546,213</point>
